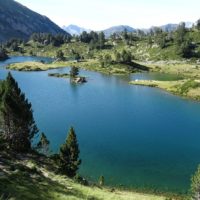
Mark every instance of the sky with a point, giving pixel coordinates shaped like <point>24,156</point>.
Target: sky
<point>101,14</point>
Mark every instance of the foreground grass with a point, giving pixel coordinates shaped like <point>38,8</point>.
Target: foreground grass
<point>34,177</point>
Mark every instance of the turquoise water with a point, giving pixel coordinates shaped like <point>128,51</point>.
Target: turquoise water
<point>134,136</point>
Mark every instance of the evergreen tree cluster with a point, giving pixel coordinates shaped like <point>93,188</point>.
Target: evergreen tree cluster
<point>124,57</point>
<point>14,44</point>
<point>182,39</point>
<point>105,60</point>
<point>128,37</point>
<point>198,24</point>
<point>60,55</point>
<point>47,38</point>
<point>94,39</point>
<point>18,127</point>
<point>75,55</point>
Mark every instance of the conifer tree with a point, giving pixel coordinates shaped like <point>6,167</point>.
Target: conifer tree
<point>17,123</point>
<point>43,144</point>
<point>180,33</point>
<point>101,180</point>
<point>69,155</point>
<point>101,40</point>
<point>74,72</point>
<point>126,57</point>
<point>195,185</point>
<point>60,55</point>
<point>198,24</point>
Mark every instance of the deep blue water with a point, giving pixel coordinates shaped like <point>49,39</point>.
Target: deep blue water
<point>134,136</point>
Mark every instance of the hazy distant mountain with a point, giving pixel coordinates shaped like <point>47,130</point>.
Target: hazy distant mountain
<point>19,21</point>
<point>189,24</point>
<point>173,27</point>
<point>74,29</point>
<point>118,29</point>
<point>169,27</point>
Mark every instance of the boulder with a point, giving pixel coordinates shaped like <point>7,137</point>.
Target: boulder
<point>80,80</point>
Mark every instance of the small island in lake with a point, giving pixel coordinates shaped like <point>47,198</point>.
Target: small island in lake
<point>73,75</point>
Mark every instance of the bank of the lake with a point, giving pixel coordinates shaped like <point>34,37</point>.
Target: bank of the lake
<point>184,68</point>
<point>89,64</point>
<point>187,88</point>
<point>187,83</point>
<point>187,72</point>
<point>34,66</point>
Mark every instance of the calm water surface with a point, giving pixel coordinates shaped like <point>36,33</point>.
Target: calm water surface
<point>134,136</point>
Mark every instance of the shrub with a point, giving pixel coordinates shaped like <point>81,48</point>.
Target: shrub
<point>189,85</point>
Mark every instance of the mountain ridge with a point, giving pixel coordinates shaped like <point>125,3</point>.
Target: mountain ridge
<point>77,30</point>
<point>118,29</point>
<point>18,21</point>
<point>74,29</point>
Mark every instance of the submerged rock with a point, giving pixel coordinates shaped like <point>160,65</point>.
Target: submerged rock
<point>80,80</point>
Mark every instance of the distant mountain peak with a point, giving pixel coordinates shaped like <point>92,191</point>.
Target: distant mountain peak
<point>74,29</point>
<point>118,29</point>
<point>169,27</point>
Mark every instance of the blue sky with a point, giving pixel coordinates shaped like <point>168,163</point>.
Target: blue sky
<point>101,14</point>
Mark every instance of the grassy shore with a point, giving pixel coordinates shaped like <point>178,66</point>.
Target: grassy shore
<point>189,72</point>
<point>34,66</point>
<point>183,68</point>
<point>91,64</point>
<point>187,88</point>
<point>34,177</point>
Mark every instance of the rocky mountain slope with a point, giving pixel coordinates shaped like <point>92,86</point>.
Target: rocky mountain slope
<point>18,21</point>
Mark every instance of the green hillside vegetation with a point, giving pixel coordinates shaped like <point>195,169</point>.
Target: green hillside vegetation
<point>180,45</point>
<point>176,52</point>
